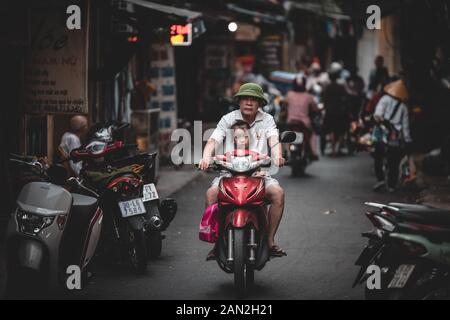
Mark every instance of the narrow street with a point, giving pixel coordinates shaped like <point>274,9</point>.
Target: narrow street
<point>110,105</point>
<point>321,247</point>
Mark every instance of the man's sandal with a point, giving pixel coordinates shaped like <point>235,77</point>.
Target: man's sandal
<point>276,251</point>
<point>211,255</point>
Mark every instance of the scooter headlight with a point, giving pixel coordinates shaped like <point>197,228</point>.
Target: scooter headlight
<point>241,164</point>
<point>31,223</point>
<point>293,148</point>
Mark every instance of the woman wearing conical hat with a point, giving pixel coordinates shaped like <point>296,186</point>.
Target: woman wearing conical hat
<point>392,111</point>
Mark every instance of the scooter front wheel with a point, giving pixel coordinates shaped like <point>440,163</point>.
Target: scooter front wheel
<point>243,274</point>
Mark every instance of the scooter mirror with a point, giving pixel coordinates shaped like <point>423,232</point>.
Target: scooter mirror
<point>289,137</point>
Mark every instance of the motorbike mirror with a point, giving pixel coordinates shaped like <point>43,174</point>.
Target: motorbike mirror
<point>290,137</point>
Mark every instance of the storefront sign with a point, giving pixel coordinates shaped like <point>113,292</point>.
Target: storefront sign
<point>181,35</point>
<point>56,65</point>
<point>271,50</point>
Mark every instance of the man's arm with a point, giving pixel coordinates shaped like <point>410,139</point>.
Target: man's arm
<point>217,136</point>
<point>277,153</point>
<point>207,154</point>
<point>274,143</point>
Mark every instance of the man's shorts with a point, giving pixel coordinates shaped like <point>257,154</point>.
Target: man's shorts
<point>268,180</point>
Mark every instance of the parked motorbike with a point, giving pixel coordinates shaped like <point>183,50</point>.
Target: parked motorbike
<point>50,230</point>
<point>242,244</point>
<point>411,246</point>
<point>160,212</point>
<point>128,194</point>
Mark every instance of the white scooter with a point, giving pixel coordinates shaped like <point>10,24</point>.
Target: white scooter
<point>52,234</point>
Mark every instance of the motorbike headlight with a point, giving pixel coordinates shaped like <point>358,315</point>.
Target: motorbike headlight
<point>293,147</point>
<point>241,164</point>
<point>31,223</point>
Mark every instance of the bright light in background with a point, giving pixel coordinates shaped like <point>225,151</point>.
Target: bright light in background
<point>232,26</point>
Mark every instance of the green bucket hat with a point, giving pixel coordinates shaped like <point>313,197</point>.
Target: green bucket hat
<point>252,90</point>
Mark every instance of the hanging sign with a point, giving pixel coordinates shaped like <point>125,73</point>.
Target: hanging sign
<point>181,35</point>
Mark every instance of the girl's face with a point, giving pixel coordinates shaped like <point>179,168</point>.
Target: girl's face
<point>241,137</point>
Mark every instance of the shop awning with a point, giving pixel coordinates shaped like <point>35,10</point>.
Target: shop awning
<point>180,12</point>
<point>265,17</point>
<point>327,8</point>
<point>194,17</point>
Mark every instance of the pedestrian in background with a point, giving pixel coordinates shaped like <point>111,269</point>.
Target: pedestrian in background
<point>72,140</point>
<point>394,139</point>
<point>355,88</point>
<point>378,76</point>
<point>301,107</point>
<point>336,120</point>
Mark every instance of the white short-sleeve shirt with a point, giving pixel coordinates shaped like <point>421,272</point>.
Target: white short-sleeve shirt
<point>70,141</point>
<point>385,109</point>
<point>261,129</point>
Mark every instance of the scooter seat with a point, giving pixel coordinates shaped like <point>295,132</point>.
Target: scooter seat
<point>423,214</point>
<point>83,204</point>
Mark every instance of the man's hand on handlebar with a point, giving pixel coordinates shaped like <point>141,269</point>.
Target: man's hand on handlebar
<point>279,162</point>
<point>204,163</point>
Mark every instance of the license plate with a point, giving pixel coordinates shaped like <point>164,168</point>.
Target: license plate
<point>132,208</point>
<point>150,193</point>
<point>401,276</point>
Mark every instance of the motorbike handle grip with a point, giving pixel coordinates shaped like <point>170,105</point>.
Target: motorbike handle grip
<point>266,163</point>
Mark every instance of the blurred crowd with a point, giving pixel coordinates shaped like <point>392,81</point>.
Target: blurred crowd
<point>339,114</point>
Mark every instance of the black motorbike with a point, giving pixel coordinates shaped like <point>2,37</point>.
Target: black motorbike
<point>298,153</point>
<point>125,180</point>
<point>410,246</point>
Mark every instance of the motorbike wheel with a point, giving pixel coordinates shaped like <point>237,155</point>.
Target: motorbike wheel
<point>425,288</point>
<point>137,251</point>
<point>243,275</point>
<point>154,244</point>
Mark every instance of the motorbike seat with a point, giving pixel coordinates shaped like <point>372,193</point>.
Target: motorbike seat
<point>77,228</point>
<point>423,214</point>
<point>84,205</point>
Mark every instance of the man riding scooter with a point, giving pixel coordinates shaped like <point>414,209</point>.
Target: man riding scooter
<point>263,133</point>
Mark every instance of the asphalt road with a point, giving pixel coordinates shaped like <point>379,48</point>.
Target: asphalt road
<point>321,247</point>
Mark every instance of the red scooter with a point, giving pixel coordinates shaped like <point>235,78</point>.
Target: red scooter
<point>242,244</point>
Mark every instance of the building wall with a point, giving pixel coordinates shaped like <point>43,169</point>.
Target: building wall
<point>379,42</point>
<point>367,50</point>
<point>388,44</point>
